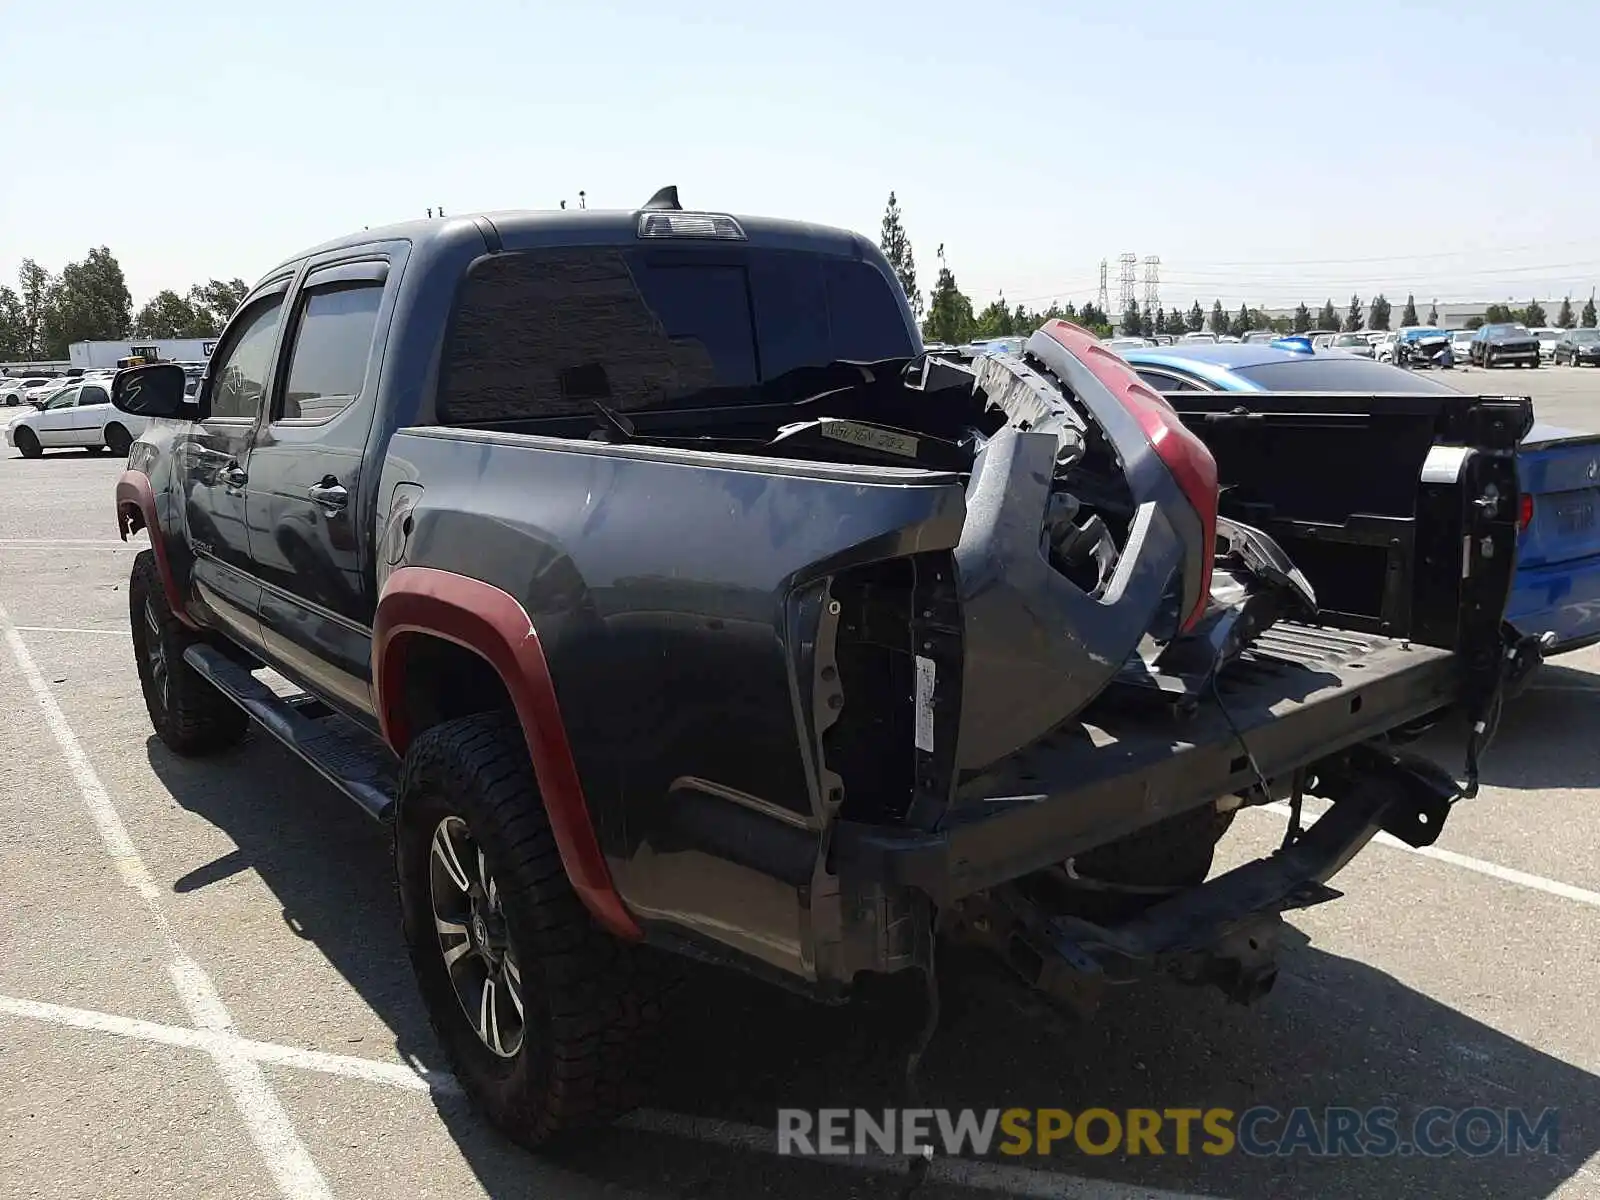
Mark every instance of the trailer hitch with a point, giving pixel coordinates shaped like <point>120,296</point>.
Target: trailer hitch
<point>1225,932</point>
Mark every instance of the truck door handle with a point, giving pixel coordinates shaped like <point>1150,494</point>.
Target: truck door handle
<point>233,476</point>
<point>329,494</point>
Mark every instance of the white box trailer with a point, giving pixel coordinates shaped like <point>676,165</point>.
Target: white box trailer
<point>87,355</point>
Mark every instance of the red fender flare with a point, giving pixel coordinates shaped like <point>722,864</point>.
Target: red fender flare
<point>491,623</point>
<point>136,509</point>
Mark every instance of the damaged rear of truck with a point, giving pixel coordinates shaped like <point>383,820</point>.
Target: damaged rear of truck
<point>689,606</point>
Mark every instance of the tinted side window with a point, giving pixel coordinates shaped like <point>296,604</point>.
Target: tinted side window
<point>332,346</point>
<point>93,395</point>
<point>1166,383</point>
<point>240,372</point>
<point>1338,375</point>
<point>544,333</point>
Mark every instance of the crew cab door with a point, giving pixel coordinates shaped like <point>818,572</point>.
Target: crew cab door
<point>213,463</point>
<point>309,526</point>
<point>89,415</point>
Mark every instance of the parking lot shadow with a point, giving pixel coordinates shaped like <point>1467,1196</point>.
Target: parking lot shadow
<point>1533,748</point>
<point>1335,1032</point>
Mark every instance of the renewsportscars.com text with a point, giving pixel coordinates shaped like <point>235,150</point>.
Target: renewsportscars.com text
<point>1335,1132</point>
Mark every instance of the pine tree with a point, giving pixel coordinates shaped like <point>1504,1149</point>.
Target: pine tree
<point>1177,326</point>
<point>1433,313</point>
<point>1302,318</point>
<point>1408,314</point>
<point>1241,322</point>
<point>1564,317</point>
<point>1533,314</point>
<point>1588,318</point>
<point>950,317</point>
<point>1352,319</point>
<point>1196,320</point>
<point>896,247</point>
<point>1219,318</point>
<point>1328,318</point>
<point>1378,313</point>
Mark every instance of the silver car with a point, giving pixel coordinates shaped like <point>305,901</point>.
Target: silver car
<point>1352,343</point>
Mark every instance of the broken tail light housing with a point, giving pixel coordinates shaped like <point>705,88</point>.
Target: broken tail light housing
<point>1185,456</point>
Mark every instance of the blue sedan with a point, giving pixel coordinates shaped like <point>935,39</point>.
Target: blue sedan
<point>1557,590</point>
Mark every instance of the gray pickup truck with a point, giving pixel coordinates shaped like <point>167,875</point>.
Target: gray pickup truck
<point>645,575</point>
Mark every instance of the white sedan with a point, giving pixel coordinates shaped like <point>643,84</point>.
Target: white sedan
<point>80,415</point>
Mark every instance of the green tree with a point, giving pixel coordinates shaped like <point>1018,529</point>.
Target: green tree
<point>1177,325</point>
<point>1498,314</point>
<point>1564,317</point>
<point>1092,316</point>
<point>1159,325</point>
<point>1219,318</point>
<point>950,316</point>
<point>1588,318</point>
<point>1352,318</point>
<point>1147,324</point>
<point>1328,318</point>
<point>994,320</point>
<point>1433,313</point>
<point>1378,313</point>
<point>33,291</point>
<point>169,315</point>
<point>1130,319</point>
<point>1240,325</point>
<point>1284,324</point>
<point>1196,320</point>
<point>1302,317</point>
<point>896,247</point>
<point>1408,315</point>
<point>1534,314</point>
<point>217,299</point>
<point>1472,323</point>
<point>13,326</point>
<point>90,302</point>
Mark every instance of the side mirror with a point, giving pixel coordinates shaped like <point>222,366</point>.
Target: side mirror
<point>153,390</point>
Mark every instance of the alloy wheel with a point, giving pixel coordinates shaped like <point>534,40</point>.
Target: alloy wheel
<point>471,925</point>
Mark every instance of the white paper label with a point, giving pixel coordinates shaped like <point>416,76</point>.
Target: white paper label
<point>925,678</point>
<point>871,437</point>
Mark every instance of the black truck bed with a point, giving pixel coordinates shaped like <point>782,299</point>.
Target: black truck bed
<point>1300,695</point>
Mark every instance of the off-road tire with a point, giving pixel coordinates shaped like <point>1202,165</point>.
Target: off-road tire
<point>189,715</point>
<point>118,440</point>
<point>28,444</point>
<point>590,1000</point>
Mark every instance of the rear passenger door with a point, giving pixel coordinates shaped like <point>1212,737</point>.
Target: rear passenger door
<point>309,515</point>
<point>89,417</point>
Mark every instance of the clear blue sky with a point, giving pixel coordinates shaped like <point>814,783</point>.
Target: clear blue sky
<point>1446,148</point>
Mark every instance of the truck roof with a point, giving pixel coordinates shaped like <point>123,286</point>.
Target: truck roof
<point>522,229</point>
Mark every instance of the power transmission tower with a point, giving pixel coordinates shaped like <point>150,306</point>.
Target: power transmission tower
<point>1102,300</point>
<point>1152,282</point>
<point>1125,296</point>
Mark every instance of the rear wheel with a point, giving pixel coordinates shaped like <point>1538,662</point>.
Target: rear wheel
<point>188,714</point>
<point>28,444</point>
<point>118,440</point>
<point>545,1017</point>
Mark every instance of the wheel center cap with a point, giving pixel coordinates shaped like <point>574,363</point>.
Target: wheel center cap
<point>480,931</point>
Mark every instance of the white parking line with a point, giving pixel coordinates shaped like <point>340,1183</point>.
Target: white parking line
<point>57,543</point>
<point>961,1172</point>
<point>287,1158</point>
<point>69,629</point>
<point>1539,883</point>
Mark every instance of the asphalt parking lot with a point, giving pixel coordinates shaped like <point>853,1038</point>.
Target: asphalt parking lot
<point>203,989</point>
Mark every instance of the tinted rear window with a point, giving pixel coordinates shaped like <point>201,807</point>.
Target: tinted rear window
<point>1337,375</point>
<point>539,334</point>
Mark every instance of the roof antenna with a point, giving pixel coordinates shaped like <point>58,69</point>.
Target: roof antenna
<point>664,200</point>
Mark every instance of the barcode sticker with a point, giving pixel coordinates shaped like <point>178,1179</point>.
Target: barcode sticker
<point>925,679</point>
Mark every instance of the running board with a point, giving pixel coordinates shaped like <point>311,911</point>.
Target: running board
<point>343,753</point>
